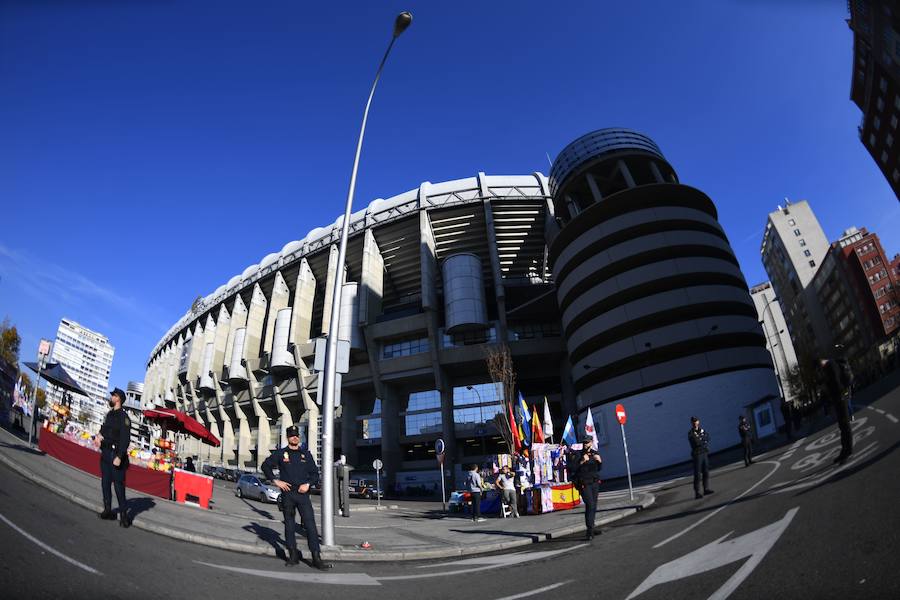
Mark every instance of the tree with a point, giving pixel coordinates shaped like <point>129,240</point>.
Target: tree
<point>10,341</point>
<point>83,417</point>
<point>500,367</point>
<point>41,398</point>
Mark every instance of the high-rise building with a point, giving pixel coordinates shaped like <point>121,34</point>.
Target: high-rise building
<point>875,85</point>
<point>857,289</point>
<point>87,356</point>
<point>793,248</point>
<point>778,340</point>
<point>140,433</point>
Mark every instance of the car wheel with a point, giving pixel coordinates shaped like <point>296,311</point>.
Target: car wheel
<point>240,494</point>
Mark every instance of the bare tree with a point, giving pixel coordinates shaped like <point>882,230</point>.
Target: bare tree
<point>503,374</point>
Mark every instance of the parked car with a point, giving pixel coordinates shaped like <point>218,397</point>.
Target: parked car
<point>361,488</point>
<point>251,486</point>
<point>232,474</point>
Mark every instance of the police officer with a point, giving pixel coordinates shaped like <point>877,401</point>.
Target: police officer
<point>746,440</point>
<point>115,434</point>
<point>587,480</point>
<point>297,471</point>
<point>836,385</point>
<point>699,441</point>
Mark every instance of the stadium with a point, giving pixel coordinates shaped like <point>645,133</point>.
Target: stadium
<point>610,281</point>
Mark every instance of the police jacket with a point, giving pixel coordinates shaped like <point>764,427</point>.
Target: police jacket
<point>744,430</point>
<point>116,432</point>
<point>587,472</point>
<point>295,467</point>
<point>699,440</point>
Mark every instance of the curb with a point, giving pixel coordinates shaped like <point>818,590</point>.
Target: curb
<point>339,553</point>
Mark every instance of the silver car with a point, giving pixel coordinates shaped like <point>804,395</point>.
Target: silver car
<point>251,486</point>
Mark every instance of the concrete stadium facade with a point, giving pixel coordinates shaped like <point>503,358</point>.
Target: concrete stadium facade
<point>438,274</point>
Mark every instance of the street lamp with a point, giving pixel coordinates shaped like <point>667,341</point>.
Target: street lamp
<point>402,21</point>
<point>480,416</point>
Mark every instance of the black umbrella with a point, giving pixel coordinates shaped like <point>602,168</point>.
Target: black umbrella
<point>55,373</point>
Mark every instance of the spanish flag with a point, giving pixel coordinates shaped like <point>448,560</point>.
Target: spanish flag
<point>514,429</point>
<point>537,432</point>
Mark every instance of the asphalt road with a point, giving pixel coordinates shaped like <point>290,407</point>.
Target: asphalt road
<point>792,525</point>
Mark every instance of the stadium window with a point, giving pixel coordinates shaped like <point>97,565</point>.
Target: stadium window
<point>812,263</point>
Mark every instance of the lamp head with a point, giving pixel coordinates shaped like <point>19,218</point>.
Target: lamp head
<point>402,22</point>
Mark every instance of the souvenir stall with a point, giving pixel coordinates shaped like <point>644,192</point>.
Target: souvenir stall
<point>547,490</point>
<point>188,487</point>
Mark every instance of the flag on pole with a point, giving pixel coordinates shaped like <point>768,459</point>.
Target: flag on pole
<point>568,434</point>
<point>514,430</point>
<point>524,422</point>
<point>548,422</point>
<point>537,435</point>
<point>526,416</point>
<point>589,427</point>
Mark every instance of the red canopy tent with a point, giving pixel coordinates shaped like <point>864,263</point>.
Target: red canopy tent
<point>174,420</point>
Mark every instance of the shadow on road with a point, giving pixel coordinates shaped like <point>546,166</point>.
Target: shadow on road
<point>263,513</point>
<point>851,470</point>
<point>22,448</point>
<point>268,535</point>
<point>136,506</point>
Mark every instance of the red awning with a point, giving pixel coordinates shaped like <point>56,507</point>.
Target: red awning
<point>174,420</point>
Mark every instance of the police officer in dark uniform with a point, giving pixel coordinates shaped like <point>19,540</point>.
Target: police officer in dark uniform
<point>836,387</point>
<point>587,479</point>
<point>115,435</point>
<point>297,471</point>
<point>699,441</point>
<point>746,440</point>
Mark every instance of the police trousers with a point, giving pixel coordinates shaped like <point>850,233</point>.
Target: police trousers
<point>111,475</point>
<point>589,493</point>
<point>701,468</point>
<point>295,500</point>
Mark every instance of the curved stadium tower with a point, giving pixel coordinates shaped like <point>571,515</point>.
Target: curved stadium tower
<point>611,266</point>
<point>655,311</point>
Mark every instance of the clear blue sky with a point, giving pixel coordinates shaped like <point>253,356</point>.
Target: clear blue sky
<point>152,149</point>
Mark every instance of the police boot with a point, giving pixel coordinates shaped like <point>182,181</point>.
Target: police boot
<point>319,564</point>
<point>107,515</point>
<point>293,557</point>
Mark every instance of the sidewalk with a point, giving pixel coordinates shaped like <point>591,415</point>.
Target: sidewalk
<point>395,533</point>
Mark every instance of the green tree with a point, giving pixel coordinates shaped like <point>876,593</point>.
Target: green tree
<point>82,417</point>
<point>41,398</point>
<point>10,341</point>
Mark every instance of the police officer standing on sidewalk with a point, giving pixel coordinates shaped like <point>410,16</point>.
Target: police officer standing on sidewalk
<point>746,440</point>
<point>115,435</point>
<point>297,471</point>
<point>699,441</point>
<point>587,479</point>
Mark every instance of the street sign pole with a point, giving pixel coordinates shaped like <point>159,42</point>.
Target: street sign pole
<point>622,418</point>
<point>439,452</point>
<point>627,464</point>
<point>43,354</point>
<point>377,464</point>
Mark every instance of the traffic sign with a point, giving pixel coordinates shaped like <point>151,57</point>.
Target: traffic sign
<point>377,464</point>
<point>439,446</point>
<point>620,414</point>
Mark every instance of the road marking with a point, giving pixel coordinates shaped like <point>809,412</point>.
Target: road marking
<point>537,591</point>
<point>49,549</point>
<point>719,553</point>
<point>723,507</point>
<point>813,479</point>
<point>891,417</point>
<point>328,578</point>
<point>489,562</point>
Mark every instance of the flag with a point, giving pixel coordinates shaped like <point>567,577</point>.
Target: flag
<point>524,422</point>
<point>536,432</point>
<point>568,434</point>
<point>514,430</point>
<point>589,427</point>
<point>548,422</point>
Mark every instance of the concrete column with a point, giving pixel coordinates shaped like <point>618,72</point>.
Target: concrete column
<point>263,433</point>
<point>349,412</point>
<point>304,296</point>
<point>196,355</point>
<point>567,389</point>
<point>623,168</point>
<point>285,418</point>
<point>499,291</point>
<point>305,381</point>
<point>371,281</point>
<point>595,189</point>
<point>196,447</point>
<point>227,428</point>
<point>223,328</point>
<point>391,430</point>
<point>215,454</point>
<point>238,320</point>
<point>329,286</point>
<point>428,266</point>
<point>244,437</point>
<point>279,300</point>
<point>256,315</point>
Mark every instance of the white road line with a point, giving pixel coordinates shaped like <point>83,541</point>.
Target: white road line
<point>816,478</point>
<point>537,591</point>
<point>891,417</point>
<point>489,562</point>
<point>721,508</point>
<point>879,411</point>
<point>49,549</point>
<point>332,578</point>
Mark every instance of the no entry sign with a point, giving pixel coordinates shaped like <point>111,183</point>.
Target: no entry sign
<point>620,414</point>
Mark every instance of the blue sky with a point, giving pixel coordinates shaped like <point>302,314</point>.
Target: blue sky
<point>152,149</point>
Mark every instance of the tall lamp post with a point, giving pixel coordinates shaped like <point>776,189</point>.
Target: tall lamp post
<point>328,392</point>
<point>480,417</point>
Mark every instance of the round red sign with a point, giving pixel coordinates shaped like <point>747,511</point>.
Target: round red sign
<point>620,414</point>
